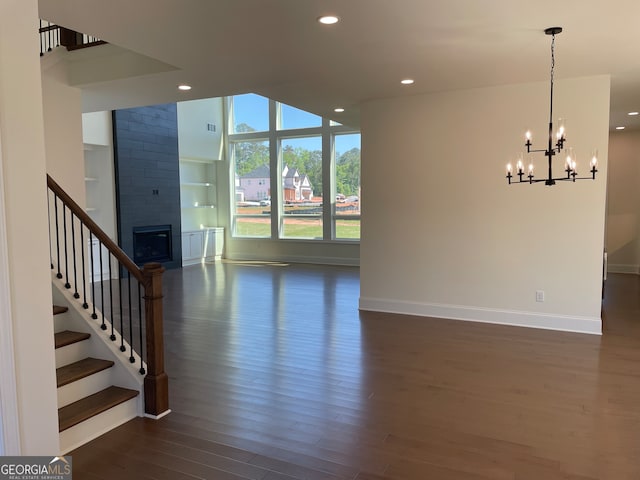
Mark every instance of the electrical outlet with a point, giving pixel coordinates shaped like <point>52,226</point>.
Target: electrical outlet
<point>539,295</point>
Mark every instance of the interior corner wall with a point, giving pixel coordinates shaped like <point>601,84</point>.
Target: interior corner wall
<point>147,174</point>
<point>623,202</point>
<point>97,129</point>
<point>23,163</point>
<point>62,107</point>
<point>444,235</point>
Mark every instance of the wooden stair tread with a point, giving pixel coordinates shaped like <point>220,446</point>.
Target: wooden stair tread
<point>58,309</point>
<point>90,406</point>
<point>83,368</point>
<point>68,337</point>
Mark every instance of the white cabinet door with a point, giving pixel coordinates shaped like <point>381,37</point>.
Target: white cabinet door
<point>214,242</point>
<point>192,248</point>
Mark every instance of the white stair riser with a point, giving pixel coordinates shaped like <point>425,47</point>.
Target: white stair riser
<point>62,322</point>
<point>83,388</point>
<point>79,320</point>
<point>123,374</point>
<point>72,353</point>
<point>100,424</point>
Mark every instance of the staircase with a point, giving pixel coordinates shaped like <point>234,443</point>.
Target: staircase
<point>89,404</point>
<point>108,327</point>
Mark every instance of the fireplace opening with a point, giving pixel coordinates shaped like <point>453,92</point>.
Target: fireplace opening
<point>152,244</point>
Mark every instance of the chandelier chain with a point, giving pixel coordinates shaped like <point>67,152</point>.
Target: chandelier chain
<point>553,56</point>
<point>553,66</point>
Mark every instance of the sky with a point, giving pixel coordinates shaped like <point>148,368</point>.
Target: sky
<point>254,111</point>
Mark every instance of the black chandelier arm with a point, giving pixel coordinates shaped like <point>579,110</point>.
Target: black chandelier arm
<point>541,150</point>
<point>571,177</point>
<point>524,179</point>
<point>557,149</point>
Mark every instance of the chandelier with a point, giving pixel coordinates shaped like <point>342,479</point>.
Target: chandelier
<point>571,174</point>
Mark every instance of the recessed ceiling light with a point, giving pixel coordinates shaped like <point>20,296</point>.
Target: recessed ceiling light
<point>328,19</point>
<point>407,81</point>
<point>338,110</point>
<point>619,128</point>
<point>633,113</point>
<point>184,87</point>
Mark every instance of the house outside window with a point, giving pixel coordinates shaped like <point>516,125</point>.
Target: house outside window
<point>315,194</point>
<point>251,161</point>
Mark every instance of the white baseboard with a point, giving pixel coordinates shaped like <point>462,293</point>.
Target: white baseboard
<point>158,417</point>
<point>337,261</point>
<point>623,268</point>
<point>566,323</point>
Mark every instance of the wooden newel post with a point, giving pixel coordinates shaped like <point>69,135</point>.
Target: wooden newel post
<point>156,382</point>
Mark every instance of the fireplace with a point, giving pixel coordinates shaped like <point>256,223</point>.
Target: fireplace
<point>152,244</point>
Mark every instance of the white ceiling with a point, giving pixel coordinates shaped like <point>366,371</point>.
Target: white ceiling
<point>277,49</point>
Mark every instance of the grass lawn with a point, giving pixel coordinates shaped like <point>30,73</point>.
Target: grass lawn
<point>296,228</point>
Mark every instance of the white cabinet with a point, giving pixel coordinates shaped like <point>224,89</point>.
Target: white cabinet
<point>213,243</point>
<point>203,245</point>
<point>192,247</point>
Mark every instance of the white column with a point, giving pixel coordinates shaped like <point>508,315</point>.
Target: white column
<point>25,226</point>
<point>9,428</point>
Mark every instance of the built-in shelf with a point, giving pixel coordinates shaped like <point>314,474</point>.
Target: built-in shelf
<point>93,181</point>
<point>197,160</point>
<point>196,184</point>
<point>200,151</point>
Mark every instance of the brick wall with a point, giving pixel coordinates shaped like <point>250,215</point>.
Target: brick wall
<point>147,173</point>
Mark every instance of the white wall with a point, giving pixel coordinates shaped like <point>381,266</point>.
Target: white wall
<point>444,235</point>
<point>9,428</point>
<point>23,162</point>
<point>194,140</point>
<point>97,129</point>
<point>623,202</point>
<point>62,106</point>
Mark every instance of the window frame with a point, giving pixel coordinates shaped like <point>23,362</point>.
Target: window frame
<point>327,132</point>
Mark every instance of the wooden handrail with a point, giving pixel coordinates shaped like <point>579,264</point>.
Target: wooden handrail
<point>112,246</point>
<point>48,28</point>
<point>156,381</point>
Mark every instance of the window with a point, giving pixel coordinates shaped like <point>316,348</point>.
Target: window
<point>282,170</point>
<point>250,113</point>
<point>347,183</point>
<point>252,216</point>
<point>291,118</point>
<point>302,187</point>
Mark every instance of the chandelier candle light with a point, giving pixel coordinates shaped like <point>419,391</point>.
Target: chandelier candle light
<point>552,149</point>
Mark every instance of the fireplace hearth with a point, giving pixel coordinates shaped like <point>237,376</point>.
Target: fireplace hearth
<point>152,244</point>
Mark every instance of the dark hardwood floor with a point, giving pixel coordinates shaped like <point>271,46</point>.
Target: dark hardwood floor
<point>274,374</point>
